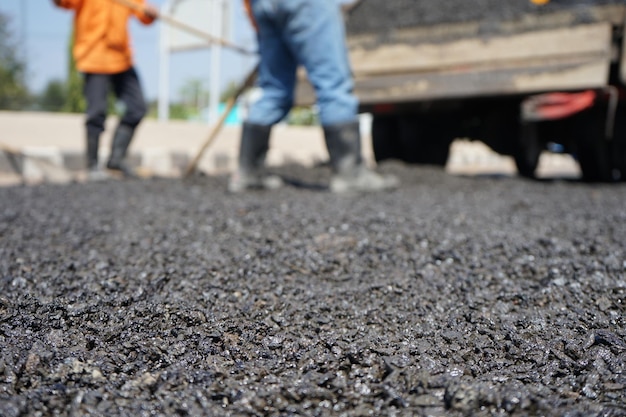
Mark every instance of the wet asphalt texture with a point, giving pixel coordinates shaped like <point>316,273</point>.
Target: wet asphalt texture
<point>451,296</point>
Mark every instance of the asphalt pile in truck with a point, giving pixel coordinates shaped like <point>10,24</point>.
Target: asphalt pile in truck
<point>382,15</point>
<point>451,296</point>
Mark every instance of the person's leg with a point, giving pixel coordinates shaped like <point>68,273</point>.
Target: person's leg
<point>276,80</point>
<point>95,89</point>
<point>127,88</point>
<point>316,37</point>
<point>315,33</point>
<point>251,173</point>
<point>277,68</point>
<point>350,174</point>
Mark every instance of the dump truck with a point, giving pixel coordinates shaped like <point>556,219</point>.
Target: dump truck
<point>522,76</point>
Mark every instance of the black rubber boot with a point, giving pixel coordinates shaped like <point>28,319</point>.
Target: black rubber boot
<point>121,141</point>
<point>93,141</point>
<point>349,171</point>
<point>251,173</point>
<point>94,173</point>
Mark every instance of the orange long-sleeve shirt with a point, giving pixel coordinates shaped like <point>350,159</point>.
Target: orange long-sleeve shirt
<point>102,42</point>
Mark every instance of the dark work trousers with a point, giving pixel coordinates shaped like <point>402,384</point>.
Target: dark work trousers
<point>127,89</point>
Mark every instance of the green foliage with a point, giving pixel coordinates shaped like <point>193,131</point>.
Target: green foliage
<point>194,94</point>
<point>53,98</point>
<point>302,116</point>
<point>74,100</point>
<point>178,111</point>
<point>230,91</point>
<point>14,94</point>
<point>153,109</point>
<point>181,112</point>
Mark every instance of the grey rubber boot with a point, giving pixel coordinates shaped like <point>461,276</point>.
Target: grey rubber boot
<point>251,173</point>
<point>350,174</point>
<point>93,141</point>
<point>121,140</point>
<point>94,173</point>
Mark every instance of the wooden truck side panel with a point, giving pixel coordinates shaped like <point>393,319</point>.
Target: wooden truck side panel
<point>562,59</point>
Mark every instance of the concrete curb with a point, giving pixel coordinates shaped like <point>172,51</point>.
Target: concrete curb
<point>46,140</point>
<point>51,149</point>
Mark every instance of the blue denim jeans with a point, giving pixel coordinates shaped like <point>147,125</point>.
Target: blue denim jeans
<point>308,33</point>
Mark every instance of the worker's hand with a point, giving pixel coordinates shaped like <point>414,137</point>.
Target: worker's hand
<point>151,11</point>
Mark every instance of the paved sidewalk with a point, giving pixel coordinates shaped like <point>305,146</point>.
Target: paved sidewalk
<point>53,147</point>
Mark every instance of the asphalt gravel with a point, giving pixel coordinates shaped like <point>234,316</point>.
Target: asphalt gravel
<point>450,296</point>
<point>379,16</point>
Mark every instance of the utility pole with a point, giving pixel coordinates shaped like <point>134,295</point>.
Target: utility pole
<point>164,68</point>
<point>24,24</point>
<point>217,9</point>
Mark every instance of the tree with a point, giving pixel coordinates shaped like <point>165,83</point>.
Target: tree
<point>229,92</point>
<point>74,100</point>
<point>195,97</point>
<point>14,94</point>
<point>54,97</point>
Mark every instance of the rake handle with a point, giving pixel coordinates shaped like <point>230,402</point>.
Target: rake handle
<point>249,81</point>
<point>188,28</point>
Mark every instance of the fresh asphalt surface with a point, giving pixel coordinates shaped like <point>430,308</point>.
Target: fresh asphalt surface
<point>451,296</point>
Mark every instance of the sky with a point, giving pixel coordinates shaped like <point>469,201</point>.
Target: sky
<point>43,31</point>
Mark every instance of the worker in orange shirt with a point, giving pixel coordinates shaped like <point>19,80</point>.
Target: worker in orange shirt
<point>103,54</point>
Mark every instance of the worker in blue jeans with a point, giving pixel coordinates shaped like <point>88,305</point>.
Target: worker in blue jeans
<point>309,33</point>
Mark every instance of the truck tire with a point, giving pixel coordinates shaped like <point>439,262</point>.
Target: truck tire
<point>593,159</point>
<point>593,149</point>
<point>385,141</point>
<point>618,146</point>
<point>528,150</point>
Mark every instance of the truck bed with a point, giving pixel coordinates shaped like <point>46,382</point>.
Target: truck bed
<point>407,50</point>
<point>383,16</point>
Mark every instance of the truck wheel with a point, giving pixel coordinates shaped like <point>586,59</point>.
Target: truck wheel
<point>593,159</point>
<point>528,150</point>
<point>618,148</point>
<point>620,159</point>
<point>593,148</point>
<point>385,142</point>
